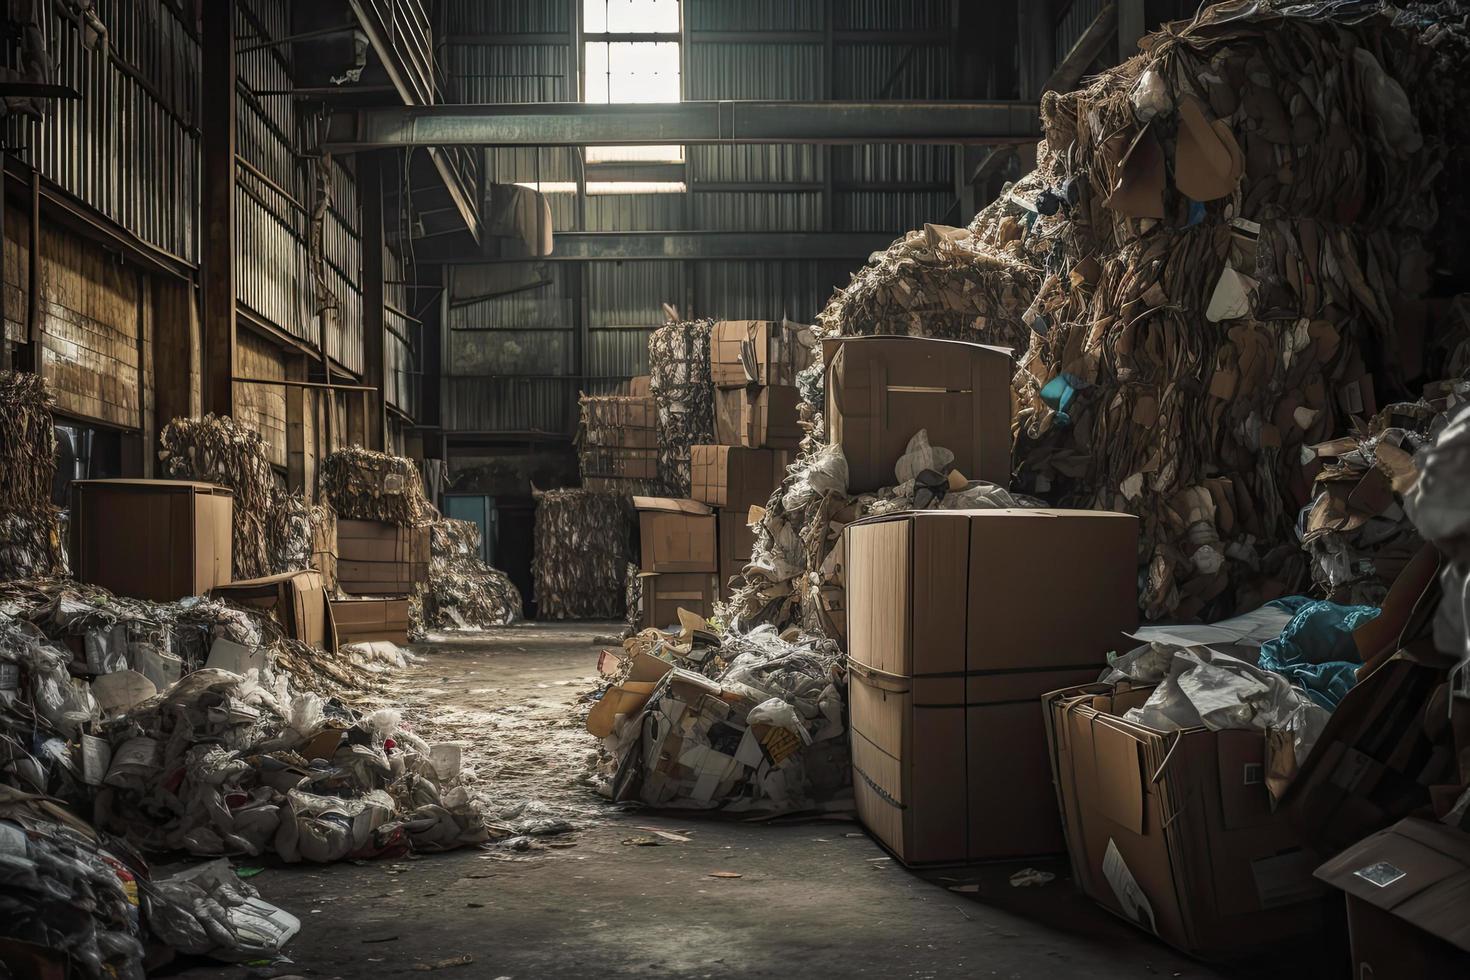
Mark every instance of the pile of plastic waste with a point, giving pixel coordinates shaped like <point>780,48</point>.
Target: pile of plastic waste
<point>583,542</point>
<point>740,723</point>
<point>679,367</point>
<point>30,529</point>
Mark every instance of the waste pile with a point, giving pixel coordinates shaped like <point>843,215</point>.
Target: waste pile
<point>739,723</point>
<point>30,530</point>
<point>222,451</point>
<point>936,281</point>
<point>583,541</point>
<point>464,593</point>
<point>363,485</point>
<point>1440,509</point>
<point>679,366</point>
<point>796,572</point>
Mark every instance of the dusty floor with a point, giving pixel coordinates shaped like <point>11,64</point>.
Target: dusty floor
<point>816,899</point>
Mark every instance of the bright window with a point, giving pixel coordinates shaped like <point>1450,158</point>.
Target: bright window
<point>632,56</point>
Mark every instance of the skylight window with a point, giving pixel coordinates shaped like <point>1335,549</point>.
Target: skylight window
<point>631,55</point>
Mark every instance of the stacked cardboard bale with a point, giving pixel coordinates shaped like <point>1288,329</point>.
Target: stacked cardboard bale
<point>383,531</point>
<point>582,544</point>
<point>679,379</point>
<point>617,440</point>
<point>30,529</point>
<point>465,592</point>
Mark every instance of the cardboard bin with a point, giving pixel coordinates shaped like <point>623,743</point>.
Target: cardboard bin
<point>956,626</point>
<point>758,418</point>
<point>151,539</point>
<point>676,535</point>
<point>1407,889</point>
<point>362,620</point>
<point>755,352</point>
<point>1174,831</point>
<point>299,601</point>
<point>664,594</point>
<point>377,558</point>
<point>734,477</point>
<point>883,390</point>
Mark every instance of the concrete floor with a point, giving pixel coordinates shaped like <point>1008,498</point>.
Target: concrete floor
<point>816,899</point>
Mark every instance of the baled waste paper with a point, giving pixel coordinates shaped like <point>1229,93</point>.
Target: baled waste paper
<point>31,545</point>
<point>679,366</point>
<point>364,485</point>
<point>617,443</point>
<point>464,592</point>
<point>583,541</point>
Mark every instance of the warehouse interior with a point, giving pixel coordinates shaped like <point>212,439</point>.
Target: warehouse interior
<point>582,488</point>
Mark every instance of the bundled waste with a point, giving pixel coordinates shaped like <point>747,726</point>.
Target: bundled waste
<point>582,545</point>
<point>796,572</point>
<point>464,592</point>
<point>30,533</point>
<point>617,444</point>
<point>289,536</point>
<point>363,485</point>
<point>751,722</point>
<point>679,366</point>
<point>222,451</point>
<point>936,281</point>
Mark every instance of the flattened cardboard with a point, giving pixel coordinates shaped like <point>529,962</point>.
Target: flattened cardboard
<point>665,594</point>
<point>758,418</point>
<point>733,476</point>
<point>882,390</point>
<point>676,535</point>
<point>1407,887</point>
<point>1187,815</point>
<point>151,539</point>
<point>362,620</point>
<point>377,558</point>
<point>299,601</point>
<point>754,352</point>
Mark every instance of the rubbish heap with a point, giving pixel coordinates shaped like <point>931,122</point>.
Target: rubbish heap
<point>583,542</point>
<point>742,723</point>
<point>936,281</point>
<point>678,361</point>
<point>363,485</point>
<point>30,524</point>
<point>1438,506</point>
<point>222,451</point>
<point>796,572</point>
<point>464,592</point>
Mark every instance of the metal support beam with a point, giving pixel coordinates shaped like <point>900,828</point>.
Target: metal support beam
<point>578,124</point>
<point>217,251</point>
<point>374,324</point>
<point>632,246</point>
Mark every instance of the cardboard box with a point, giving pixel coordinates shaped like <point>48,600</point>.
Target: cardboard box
<point>758,418</point>
<point>734,477</point>
<point>883,390</point>
<point>151,539</point>
<point>665,594</point>
<point>955,629</point>
<point>299,601</point>
<point>1406,889</point>
<point>363,620</point>
<point>755,352</point>
<point>1174,831</point>
<point>737,542</point>
<point>377,558</point>
<point>676,535</point>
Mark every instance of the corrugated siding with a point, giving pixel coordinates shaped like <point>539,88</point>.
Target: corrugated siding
<point>262,407</point>
<point>404,342</point>
<point>863,15</point>
<point>130,146</point>
<point>887,211</point>
<point>632,294</point>
<point>505,16</point>
<point>508,72</point>
<point>767,290</point>
<point>746,211</point>
<point>635,212</point>
<point>752,15</point>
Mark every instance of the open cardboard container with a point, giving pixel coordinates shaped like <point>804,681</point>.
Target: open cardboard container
<point>299,602</point>
<point>676,535</point>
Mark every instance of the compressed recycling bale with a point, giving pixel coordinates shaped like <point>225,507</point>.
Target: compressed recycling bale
<point>679,369</point>
<point>617,444</point>
<point>363,485</point>
<point>583,542</point>
<point>31,544</point>
<point>464,592</point>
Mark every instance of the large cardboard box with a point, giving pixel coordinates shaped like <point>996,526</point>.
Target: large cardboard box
<point>882,390</point>
<point>299,601</point>
<point>1174,831</point>
<point>664,594</point>
<point>377,558</point>
<point>955,629</point>
<point>1408,890</point>
<point>737,543</point>
<point>734,477</point>
<point>362,620</point>
<point>151,539</point>
<point>676,535</point>
<point>755,352</point>
<point>758,418</point>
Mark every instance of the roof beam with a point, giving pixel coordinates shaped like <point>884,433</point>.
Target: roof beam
<point>633,246</point>
<point>579,124</point>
